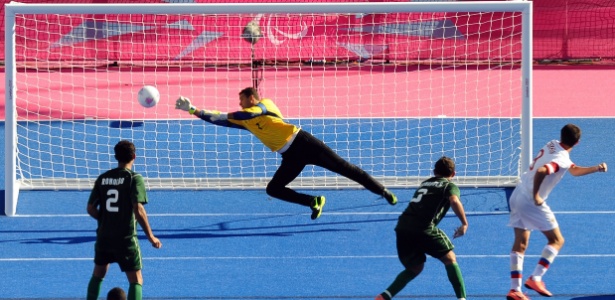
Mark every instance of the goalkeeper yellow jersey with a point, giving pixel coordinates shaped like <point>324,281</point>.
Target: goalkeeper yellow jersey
<point>266,122</point>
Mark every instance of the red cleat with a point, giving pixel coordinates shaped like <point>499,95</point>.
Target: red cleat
<point>514,295</point>
<point>537,286</point>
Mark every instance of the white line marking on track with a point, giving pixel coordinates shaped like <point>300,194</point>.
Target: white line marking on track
<point>467,256</point>
<point>606,212</point>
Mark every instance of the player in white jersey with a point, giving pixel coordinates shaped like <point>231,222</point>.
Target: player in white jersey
<point>529,210</point>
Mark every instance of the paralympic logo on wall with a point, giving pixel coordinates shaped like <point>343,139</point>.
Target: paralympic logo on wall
<point>277,36</point>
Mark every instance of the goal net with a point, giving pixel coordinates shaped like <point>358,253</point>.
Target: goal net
<point>391,87</point>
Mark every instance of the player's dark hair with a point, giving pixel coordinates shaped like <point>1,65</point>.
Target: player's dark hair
<point>444,167</point>
<point>116,293</point>
<point>250,91</point>
<point>570,134</point>
<point>124,151</point>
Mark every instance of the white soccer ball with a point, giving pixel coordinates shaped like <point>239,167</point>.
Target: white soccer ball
<point>149,96</point>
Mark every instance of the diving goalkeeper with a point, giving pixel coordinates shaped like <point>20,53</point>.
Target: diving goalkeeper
<point>298,148</point>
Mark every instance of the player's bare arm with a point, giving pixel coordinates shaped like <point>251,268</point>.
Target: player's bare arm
<point>539,177</point>
<point>581,171</point>
<point>460,213</point>
<point>141,217</point>
<point>93,211</point>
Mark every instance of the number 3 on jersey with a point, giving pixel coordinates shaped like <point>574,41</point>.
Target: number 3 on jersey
<point>113,198</point>
<point>418,195</point>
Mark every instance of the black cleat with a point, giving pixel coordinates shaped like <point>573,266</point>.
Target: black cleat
<point>317,204</point>
<point>391,198</point>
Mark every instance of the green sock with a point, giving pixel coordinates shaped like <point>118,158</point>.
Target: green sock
<point>399,283</point>
<point>454,276</point>
<point>94,288</point>
<point>135,292</point>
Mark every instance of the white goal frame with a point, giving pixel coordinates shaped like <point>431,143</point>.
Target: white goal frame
<point>12,184</point>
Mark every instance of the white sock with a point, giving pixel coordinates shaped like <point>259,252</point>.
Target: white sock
<point>546,258</point>
<point>516,270</point>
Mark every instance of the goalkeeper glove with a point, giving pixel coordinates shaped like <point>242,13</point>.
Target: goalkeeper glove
<point>184,104</point>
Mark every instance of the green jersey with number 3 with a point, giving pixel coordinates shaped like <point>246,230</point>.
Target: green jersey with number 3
<point>114,193</point>
<point>428,205</point>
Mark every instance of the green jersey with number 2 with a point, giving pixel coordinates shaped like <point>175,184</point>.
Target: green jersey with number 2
<point>114,193</point>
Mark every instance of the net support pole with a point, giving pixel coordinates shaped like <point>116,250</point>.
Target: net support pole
<point>11,191</point>
<point>257,70</point>
<point>253,69</point>
<point>252,34</point>
<point>526,73</point>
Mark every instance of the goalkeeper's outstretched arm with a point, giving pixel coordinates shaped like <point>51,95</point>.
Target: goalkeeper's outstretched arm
<point>212,116</point>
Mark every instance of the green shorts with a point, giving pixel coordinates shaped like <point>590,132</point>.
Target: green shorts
<point>413,246</point>
<point>126,253</point>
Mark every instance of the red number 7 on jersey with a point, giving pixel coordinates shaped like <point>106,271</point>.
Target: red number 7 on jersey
<point>540,154</point>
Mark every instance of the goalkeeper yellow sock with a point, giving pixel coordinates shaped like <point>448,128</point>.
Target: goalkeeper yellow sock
<point>94,288</point>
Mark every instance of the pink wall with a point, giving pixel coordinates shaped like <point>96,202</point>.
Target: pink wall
<point>577,29</point>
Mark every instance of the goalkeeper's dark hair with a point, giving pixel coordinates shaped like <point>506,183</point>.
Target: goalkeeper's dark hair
<point>250,91</point>
<point>570,134</point>
<point>445,167</point>
<point>124,151</point>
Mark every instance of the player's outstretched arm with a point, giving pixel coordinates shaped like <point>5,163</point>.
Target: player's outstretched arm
<point>183,103</point>
<point>581,171</point>
<point>212,116</point>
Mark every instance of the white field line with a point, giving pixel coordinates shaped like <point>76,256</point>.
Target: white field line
<point>606,212</point>
<point>337,257</point>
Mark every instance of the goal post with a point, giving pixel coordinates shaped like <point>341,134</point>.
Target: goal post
<point>390,86</point>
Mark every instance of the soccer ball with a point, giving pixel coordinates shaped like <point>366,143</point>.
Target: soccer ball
<point>149,96</point>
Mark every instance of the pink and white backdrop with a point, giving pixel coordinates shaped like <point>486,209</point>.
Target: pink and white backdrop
<point>572,31</point>
<point>563,29</point>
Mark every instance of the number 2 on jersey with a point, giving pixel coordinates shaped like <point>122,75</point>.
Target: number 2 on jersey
<point>113,198</point>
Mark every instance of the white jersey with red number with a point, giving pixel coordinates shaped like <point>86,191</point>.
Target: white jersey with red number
<point>557,161</point>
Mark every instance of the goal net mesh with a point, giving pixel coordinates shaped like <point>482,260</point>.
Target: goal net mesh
<point>390,92</point>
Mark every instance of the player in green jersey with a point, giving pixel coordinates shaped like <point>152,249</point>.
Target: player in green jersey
<point>418,234</point>
<point>116,202</point>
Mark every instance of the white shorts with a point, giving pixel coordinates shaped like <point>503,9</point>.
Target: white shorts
<point>524,214</point>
